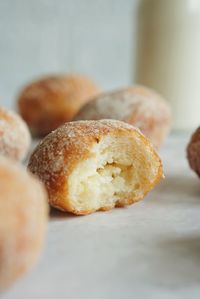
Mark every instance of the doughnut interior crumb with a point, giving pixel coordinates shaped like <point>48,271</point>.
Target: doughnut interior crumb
<point>116,174</point>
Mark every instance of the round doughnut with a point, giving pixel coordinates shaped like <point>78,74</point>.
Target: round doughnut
<point>95,165</point>
<point>193,151</point>
<point>23,221</point>
<point>48,103</point>
<point>137,105</point>
<point>14,135</point>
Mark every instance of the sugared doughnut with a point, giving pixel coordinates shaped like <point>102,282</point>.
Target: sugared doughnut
<point>48,103</point>
<point>137,105</point>
<point>23,221</point>
<point>14,135</point>
<point>95,165</point>
<point>193,151</point>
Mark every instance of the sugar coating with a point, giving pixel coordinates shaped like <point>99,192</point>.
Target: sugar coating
<point>64,84</point>
<point>121,104</point>
<point>14,135</point>
<point>48,158</point>
<point>49,102</point>
<point>136,105</point>
<point>109,148</point>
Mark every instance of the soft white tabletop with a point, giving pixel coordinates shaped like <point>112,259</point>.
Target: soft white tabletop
<point>148,250</point>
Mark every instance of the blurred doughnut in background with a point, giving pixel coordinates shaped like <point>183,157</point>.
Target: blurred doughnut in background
<point>47,103</point>
<point>136,105</point>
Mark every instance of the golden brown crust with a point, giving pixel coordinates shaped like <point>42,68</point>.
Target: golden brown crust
<point>48,103</point>
<point>15,138</point>
<point>23,221</point>
<point>136,105</point>
<point>61,151</point>
<point>193,151</point>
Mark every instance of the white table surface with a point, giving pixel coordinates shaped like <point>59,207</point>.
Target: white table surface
<point>148,250</point>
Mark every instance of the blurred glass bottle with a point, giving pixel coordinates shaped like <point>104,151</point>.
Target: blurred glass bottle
<point>168,55</point>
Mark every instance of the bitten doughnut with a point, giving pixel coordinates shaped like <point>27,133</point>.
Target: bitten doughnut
<point>48,103</point>
<point>23,221</point>
<point>137,105</point>
<point>193,152</point>
<point>95,165</point>
<point>14,135</point>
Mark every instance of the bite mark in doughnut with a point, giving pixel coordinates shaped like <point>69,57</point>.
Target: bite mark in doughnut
<point>96,165</point>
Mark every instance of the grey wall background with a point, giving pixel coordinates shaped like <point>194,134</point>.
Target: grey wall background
<point>37,37</point>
